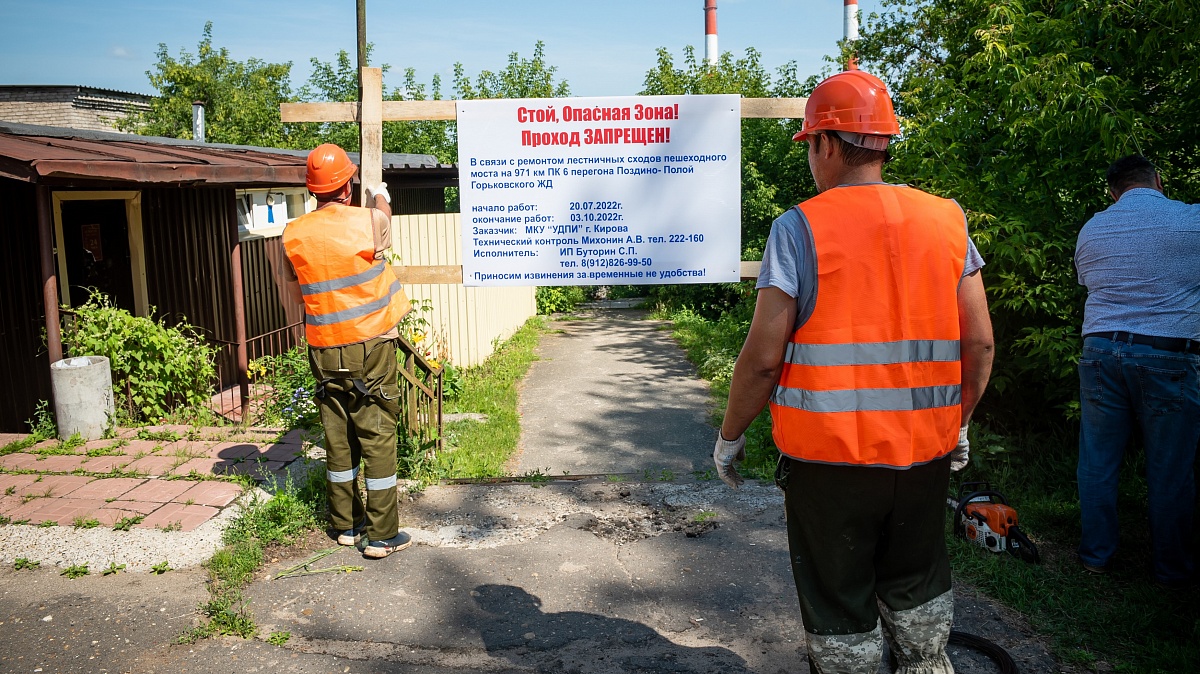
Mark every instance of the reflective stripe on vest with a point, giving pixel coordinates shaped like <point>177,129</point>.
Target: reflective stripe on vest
<point>873,377</point>
<point>349,296</point>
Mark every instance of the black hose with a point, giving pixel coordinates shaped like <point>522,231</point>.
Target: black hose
<point>997,654</point>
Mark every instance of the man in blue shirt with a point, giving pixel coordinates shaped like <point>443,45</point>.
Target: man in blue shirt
<point>1140,261</point>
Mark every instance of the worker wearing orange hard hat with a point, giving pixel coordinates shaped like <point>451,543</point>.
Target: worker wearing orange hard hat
<point>871,343</point>
<point>352,304</point>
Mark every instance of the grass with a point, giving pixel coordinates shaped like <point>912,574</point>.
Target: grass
<point>483,449</point>
<point>1118,622</point>
<point>713,346</point>
<point>281,520</point>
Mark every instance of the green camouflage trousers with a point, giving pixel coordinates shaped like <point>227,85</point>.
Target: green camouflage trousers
<point>869,543</point>
<point>358,399</point>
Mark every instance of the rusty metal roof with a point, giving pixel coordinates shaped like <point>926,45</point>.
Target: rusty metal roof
<point>34,153</point>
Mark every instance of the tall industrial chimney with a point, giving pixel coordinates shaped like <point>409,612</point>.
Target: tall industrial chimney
<point>198,121</point>
<point>710,32</point>
<point>850,30</point>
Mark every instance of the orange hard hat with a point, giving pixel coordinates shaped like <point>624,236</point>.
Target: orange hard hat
<point>852,101</point>
<point>329,167</point>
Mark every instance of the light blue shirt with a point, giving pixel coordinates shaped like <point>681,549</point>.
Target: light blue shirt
<point>1140,261</point>
<point>790,261</point>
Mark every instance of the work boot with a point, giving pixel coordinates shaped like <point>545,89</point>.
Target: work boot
<point>381,549</point>
<point>352,536</point>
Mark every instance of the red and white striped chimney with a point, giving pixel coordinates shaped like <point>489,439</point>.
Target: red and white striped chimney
<point>710,32</point>
<point>850,29</point>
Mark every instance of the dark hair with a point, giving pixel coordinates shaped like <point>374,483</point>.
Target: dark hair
<point>1129,172</point>
<point>853,155</point>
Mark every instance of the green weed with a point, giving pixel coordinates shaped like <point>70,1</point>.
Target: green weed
<point>126,523</point>
<point>46,524</point>
<point>86,522</point>
<point>22,563</point>
<point>160,568</point>
<point>281,520</point>
<point>158,436</point>
<point>75,571</point>
<point>279,638</point>
<point>113,569</point>
<point>704,516</point>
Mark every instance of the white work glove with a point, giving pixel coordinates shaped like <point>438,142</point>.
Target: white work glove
<point>961,454</point>
<point>379,191</point>
<point>724,454</point>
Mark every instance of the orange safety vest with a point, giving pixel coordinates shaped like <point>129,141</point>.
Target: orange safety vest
<point>873,377</point>
<point>349,296</point>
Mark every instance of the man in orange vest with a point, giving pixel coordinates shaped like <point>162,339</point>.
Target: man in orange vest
<point>871,342</point>
<point>352,304</point>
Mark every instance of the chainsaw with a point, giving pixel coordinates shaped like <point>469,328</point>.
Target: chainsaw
<point>984,517</point>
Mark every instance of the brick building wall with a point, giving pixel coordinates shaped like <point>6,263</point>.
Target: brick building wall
<point>72,107</point>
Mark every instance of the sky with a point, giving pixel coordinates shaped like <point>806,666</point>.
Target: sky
<point>601,48</point>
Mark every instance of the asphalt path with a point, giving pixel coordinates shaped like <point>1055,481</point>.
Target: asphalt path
<point>612,392</point>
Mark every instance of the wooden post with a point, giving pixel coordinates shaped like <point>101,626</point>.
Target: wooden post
<point>370,158</point>
<point>239,310</point>
<point>49,277</point>
<point>361,7</point>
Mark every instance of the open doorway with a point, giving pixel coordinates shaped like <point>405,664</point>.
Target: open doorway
<point>100,248</point>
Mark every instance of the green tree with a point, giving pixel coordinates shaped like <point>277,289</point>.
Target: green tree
<point>1015,108</point>
<point>520,78</point>
<point>337,80</point>
<point>241,97</point>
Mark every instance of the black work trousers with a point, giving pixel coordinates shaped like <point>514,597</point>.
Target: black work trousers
<point>857,533</point>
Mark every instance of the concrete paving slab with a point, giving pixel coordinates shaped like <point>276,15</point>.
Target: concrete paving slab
<point>211,493</point>
<point>281,452</point>
<point>143,447</point>
<point>106,464</point>
<point>132,508</point>
<point>60,485</point>
<point>203,466</point>
<point>153,466</point>
<point>232,450</point>
<point>65,511</point>
<point>60,463</point>
<point>10,503</point>
<point>178,516</point>
<point>107,488</point>
<point>15,482</point>
<point>157,491</point>
<point>18,461</point>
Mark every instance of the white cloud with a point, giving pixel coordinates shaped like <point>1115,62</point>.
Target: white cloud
<point>121,52</point>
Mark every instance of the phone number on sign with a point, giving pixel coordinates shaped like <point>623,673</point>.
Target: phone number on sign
<point>617,262</point>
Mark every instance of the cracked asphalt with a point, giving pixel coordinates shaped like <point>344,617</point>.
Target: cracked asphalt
<point>595,576</point>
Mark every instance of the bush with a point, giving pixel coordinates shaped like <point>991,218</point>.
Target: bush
<point>155,368</point>
<point>555,299</point>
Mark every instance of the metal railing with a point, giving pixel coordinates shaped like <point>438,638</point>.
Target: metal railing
<point>420,382</point>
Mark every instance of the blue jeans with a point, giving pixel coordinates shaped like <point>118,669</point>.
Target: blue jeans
<point>1123,387</point>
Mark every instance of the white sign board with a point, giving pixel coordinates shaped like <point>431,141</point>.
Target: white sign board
<point>600,191</point>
